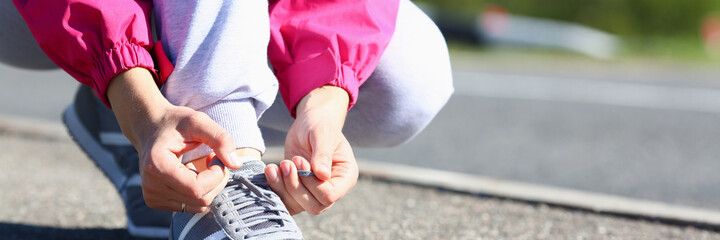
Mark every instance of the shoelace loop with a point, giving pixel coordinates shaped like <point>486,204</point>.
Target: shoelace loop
<point>254,207</point>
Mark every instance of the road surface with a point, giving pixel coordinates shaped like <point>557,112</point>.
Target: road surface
<point>642,129</point>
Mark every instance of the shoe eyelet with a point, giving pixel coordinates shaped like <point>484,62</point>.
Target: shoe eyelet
<point>224,213</point>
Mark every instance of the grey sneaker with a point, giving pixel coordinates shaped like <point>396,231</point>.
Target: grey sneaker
<point>246,209</point>
<point>94,128</point>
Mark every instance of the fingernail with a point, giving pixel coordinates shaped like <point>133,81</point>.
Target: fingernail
<point>285,168</point>
<point>272,174</point>
<point>306,165</point>
<point>323,169</point>
<point>235,159</point>
<point>298,162</point>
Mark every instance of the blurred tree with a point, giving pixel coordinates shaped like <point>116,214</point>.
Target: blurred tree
<point>629,18</point>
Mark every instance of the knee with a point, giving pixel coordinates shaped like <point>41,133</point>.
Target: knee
<point>392,133</point>
<point>398,122</point>
<point>409,87</point>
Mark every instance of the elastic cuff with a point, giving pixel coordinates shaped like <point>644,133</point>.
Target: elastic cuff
<point>301,77</point>
<point>239,118</point>
<point>348,80</point>
<point>116,60</point>
<point>307,75</point>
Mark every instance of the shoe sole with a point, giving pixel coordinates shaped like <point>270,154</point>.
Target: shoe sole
<point>105,161</point>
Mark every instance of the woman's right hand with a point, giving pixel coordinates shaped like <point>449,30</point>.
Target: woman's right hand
<point>162,133</point>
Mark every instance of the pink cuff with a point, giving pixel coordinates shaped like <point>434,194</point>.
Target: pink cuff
<point>347,79</point>
<point>117,60</point>
<point>307,75</point>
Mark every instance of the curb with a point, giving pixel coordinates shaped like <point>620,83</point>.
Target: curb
<point>460,182</point>
<point>30,127</point>
<point>596,202</point>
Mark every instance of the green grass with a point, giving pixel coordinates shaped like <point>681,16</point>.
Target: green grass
<point>678,50</point>
<point>686,49</point>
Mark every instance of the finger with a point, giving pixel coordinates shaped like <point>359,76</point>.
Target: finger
<point>192,167</point>
<point>323,147</point>
<point>164,177</point>
<point>156,195</point>
<point>215,165</point>
<point>323,191</point>
<point>297,190</point>
<point>345,168</point>
<point>275,179</point>
<point>191,185</point>
<point>177,206</point>
<point>344,176</point>
<point>195,209</point>
<point>197,185</point>
<point>168,200</point>
<point>301,163</point>
<point>200,128</point>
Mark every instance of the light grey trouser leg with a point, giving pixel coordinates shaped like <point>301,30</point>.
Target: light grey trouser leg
<point>219,49</point>
<point>17,45</point>
<point>412,82</point>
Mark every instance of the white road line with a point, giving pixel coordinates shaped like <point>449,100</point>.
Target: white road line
<point>587,91</point>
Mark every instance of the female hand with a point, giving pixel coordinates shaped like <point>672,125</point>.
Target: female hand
<point>316,134</point>
<point>162,133</point>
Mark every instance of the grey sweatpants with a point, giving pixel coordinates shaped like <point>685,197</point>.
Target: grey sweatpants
<point>410,85</point>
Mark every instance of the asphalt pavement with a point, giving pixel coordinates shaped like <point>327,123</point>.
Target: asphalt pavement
<point>51,190</point>
<point>598,126</point>
<point>641,129</point>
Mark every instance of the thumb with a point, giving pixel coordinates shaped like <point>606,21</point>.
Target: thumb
<point>323,147</point>
<point>206,131</point>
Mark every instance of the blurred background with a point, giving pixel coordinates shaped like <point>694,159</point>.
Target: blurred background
<point>623,28</point>
<point>612,96</point>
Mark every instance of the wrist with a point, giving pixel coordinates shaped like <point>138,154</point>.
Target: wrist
<point>135,99</point>
<point>330,101</point>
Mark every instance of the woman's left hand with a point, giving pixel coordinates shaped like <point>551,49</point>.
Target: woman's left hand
<point>316,135</point>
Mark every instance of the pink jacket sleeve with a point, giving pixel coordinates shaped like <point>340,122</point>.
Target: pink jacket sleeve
<point>327,42</point>
<point>92,40</point>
